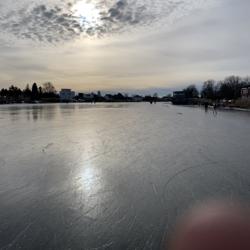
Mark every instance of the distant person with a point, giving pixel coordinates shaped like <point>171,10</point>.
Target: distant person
<point>215,112</point>
<point>206,106</point>
<point>213,226</point>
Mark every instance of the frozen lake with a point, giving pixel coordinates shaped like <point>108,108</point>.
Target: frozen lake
<point>113,176</point>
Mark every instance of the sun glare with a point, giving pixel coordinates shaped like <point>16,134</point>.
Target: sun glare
<point>87,13</point>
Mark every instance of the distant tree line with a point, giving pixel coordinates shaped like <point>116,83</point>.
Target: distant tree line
<point>228,89</point>
<point>35,93</point>
<point>119,97</point>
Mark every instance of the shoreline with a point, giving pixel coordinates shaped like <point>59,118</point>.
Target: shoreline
<point>41,103</point>
<point>236,109</point>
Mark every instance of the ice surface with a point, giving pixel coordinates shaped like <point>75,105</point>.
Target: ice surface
<point>113,176</point>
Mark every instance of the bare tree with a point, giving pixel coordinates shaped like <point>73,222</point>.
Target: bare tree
<point>191,92</point>
<point>208,90</point>
<point>48,87</point>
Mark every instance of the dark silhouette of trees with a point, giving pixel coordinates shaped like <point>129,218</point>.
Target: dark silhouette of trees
<point>4,92</point>
<point>48,88</point>
<point>15,93</point>
<point>40,92</point>
<point>27,92</point>
<point>34,95</point>
<point>191,92</point>
<point>98,97</point>
<point>231,87</point>
<point>148,98</point>
<point>208,90</point>
<point>119,97</point>
<point>228,89</point>
<point>48,91</point>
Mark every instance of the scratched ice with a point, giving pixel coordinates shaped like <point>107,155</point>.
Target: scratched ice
<point>113,176</point>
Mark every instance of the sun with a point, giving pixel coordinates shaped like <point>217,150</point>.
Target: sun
<point>88,13</point>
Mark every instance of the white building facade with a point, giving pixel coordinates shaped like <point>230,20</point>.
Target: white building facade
<point>67,95</point>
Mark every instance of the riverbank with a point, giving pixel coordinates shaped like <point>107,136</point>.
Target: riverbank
<point>237,105</point>
<point>237,109</point>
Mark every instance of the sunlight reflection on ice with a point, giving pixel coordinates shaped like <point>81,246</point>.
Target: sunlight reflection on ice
<point>91,186</point>
<point>90,181</point>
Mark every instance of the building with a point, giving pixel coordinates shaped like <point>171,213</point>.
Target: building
<point>179,98</point>
<point>245,93</point>
<point>67,95</point>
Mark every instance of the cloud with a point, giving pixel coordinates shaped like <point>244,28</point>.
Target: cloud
<point>42,23</point>
<point>54,21</point>
<point>124,13</point>
<point>206,43</point>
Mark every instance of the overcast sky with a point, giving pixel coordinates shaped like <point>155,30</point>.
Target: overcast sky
<point>123,45</point>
